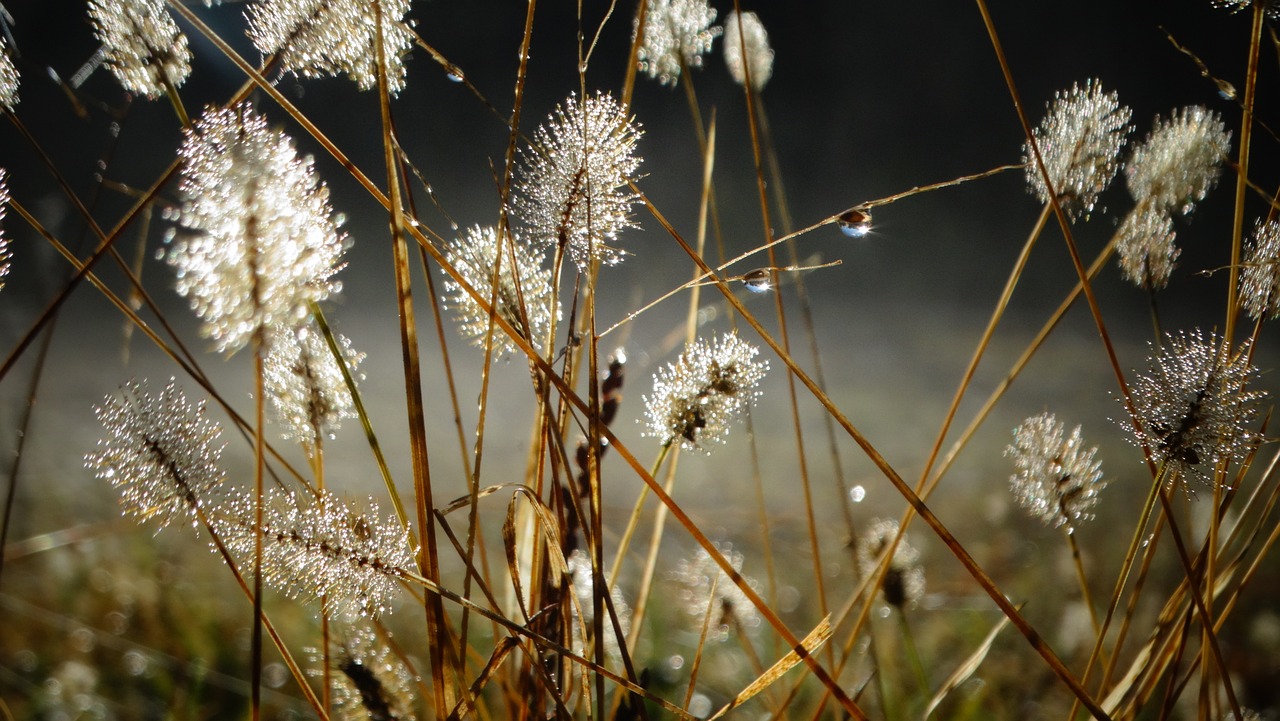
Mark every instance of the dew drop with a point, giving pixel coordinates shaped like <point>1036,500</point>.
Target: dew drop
<point>855,223</point>
<point>857,493</point>
<point>454,73</point>
<point>759,280</point>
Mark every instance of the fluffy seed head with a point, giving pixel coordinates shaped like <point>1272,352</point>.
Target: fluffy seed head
<point>522,283</point>
<point>676,33</point>
<point>1179,162</point>
<point>1056,479</point>
<point>1195,406</point>
<point>319,38</point>
<point>904,581</point>
<point>370,682</point>
<point>145,50</point>
<point>315,546</point>
<point>4,242</point>
<point>752,43</point>
<point>262,242</point>
<point>1080,139</point>
<point>1260,279</point>
<point>729,606</point>
<point>160,452</point>
<point>697,398</point>
<point>305,383</point>
<point>8,78</point>
<point>1270,7</point>
<point>1146,248</point>
<point>572,188</point>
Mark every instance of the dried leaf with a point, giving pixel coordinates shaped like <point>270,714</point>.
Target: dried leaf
<point>818,636</point>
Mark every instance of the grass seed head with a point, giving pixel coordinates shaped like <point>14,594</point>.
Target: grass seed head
<point>1146,249</point>
<point>1180,160</point>
<point>145,49</point>
<point>9,78</point>
<point>903,583</point>
<point>4,242</point>
<point>677,33</point>
<point>1080,139</point>
<point>371,682</point>
<point>1260,278</point>
<point>259,241</point>
<point>314,546</point>
<point>1195,405</point>
<point>572,188</point>
<point>306,387</point>
<point>696,399</point>
<point>1056,480</point>
<point>750,41</point>
<point>730,607</point>
<point>160,452</point>
<point>522,283</point>
<point>320,38</point>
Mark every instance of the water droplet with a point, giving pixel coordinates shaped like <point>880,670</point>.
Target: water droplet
<point>855,223</point>
<point>857,493</point>
<point>454,73</point>
<point>676,662</point>
<point>759,280</point>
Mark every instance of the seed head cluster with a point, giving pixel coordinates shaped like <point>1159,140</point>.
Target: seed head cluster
<point>1195,406</point>
<point>1056,479</point>
<point>1080,139</point>
<point>696,398</point>
<point>305,384</point>
<point>746,39</point>
<point>677,33</point>
<point>371,682</point>
<point>705,587</point>
<point>145,49</point>
<point>1171,171</point>
<point>160,452</point>
<point>319,38</point>
<point>1180,160</point>
<point>572,187</point>
<point>903,583</point>
<point>315,546</point>
<point>9,78</point>
<point>261,242</point>
<point>522,283</point>
<point>1260,279</point>
<point>4,242</point>
<point>1146,249</point>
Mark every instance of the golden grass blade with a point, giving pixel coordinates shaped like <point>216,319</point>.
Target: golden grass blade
<point>811,643</point>
<point>965,670</point>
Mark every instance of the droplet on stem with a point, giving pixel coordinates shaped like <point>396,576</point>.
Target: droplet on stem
<point>759,280</point>
<point>855,223</point>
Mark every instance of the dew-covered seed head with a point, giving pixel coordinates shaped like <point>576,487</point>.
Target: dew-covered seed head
<point>903,583</point>
<point>676,33</point>
<point>572,186</point>
<point>696,399</point>
<point>746,38</point>
<point>159,451</point>
<point>1260,278</point>
<point>1056,478</point>
<point>1080,139</point>
<point>146,51</point>
<point>1179,161</point>
<point>1195,406</point>
<point>9,78</point>
<point>522,283</point>
<point>320,38</point>
<point>259,242</point>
